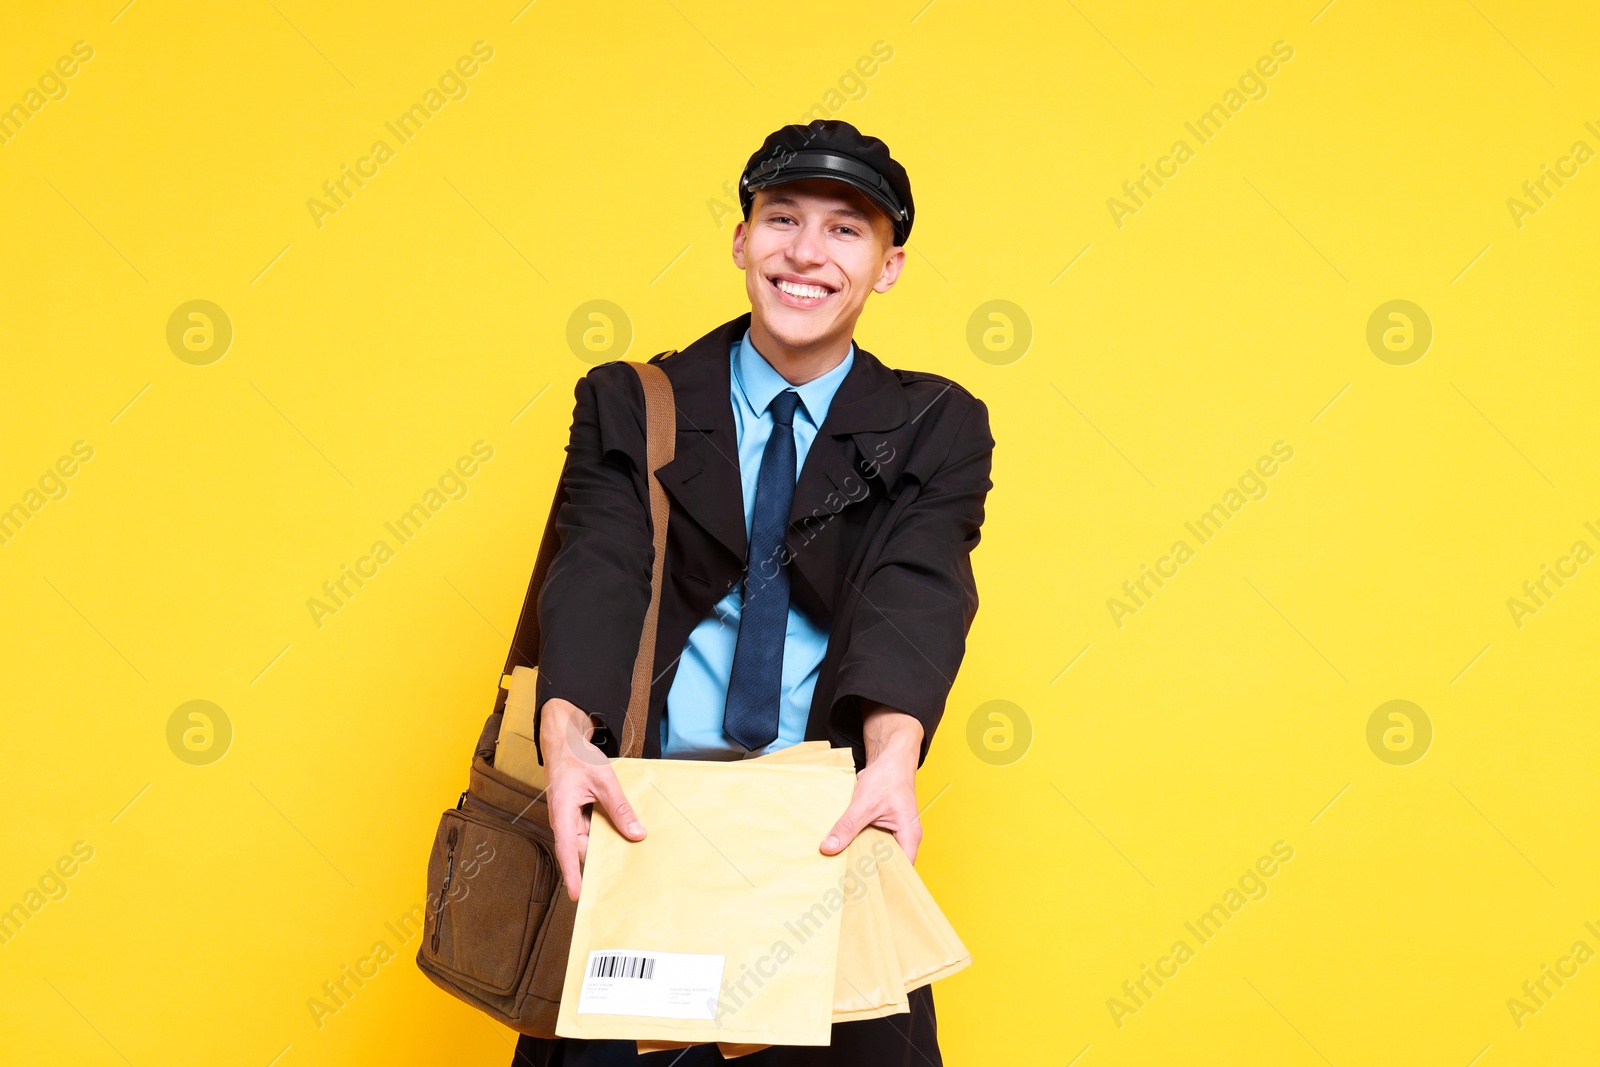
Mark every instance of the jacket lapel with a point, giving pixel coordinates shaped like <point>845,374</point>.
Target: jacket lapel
<point>703,476</point>
<point>852,450</point>
<point>839,472</point>
<point>868,402</point>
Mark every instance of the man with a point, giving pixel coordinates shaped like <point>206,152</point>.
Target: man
<point>817,582</point>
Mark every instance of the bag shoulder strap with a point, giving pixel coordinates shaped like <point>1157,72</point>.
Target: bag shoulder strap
<point>660,447</point>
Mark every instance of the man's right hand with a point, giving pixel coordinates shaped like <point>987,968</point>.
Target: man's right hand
<point>578,775</point>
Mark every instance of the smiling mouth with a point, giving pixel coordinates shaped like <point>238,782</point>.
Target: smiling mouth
<point>797,295</point>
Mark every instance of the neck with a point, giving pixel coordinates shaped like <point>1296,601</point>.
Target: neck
<point>799,364</point>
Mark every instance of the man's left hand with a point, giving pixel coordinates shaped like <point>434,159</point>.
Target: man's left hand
<point>886,789</point>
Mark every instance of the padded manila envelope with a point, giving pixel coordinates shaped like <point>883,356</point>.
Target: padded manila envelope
<point>868,984</point>
<point>514,752</point>
<point>924,942</point>
<point>721,925</point>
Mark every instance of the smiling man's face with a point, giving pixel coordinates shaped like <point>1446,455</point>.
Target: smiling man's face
<point>811,251</point>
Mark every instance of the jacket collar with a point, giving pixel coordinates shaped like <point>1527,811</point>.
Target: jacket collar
<point>757,383</point>
<point>704,476</point>
<point>869,398</point>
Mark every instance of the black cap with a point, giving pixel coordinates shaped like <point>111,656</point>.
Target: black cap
<point>835,150</point>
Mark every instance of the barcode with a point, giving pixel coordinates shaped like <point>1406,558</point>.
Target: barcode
<point>622,967</point>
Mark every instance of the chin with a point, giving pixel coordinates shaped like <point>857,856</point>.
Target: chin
<point>797,329</point>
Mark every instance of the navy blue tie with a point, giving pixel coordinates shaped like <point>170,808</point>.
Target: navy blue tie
<point>755,686</point>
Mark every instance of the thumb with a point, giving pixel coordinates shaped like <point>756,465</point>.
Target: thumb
<point>608,791</point>
<point>855,817</point>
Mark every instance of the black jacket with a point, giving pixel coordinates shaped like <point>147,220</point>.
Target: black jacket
<point>886,512</point>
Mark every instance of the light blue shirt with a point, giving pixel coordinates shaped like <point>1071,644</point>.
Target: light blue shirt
<point>692,725</point>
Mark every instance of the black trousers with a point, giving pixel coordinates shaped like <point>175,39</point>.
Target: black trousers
<point>904,1040</point>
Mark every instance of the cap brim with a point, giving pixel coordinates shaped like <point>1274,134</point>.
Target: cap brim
<point>830,167</point>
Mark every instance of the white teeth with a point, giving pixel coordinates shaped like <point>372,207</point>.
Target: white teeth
<point>792,289</point>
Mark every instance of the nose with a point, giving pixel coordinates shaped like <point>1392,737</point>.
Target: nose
<point>808,246</point>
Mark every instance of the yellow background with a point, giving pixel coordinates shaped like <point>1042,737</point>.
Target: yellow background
<point>585,162</point>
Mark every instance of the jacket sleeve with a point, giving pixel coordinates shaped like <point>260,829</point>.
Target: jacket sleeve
<point>918,597</point>
<point>592,606</point>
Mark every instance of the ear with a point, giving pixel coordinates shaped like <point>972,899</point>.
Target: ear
<point>891,271</point>
<point>740,232</point>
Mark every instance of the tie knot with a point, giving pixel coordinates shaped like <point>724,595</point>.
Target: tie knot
<point>783,406</point>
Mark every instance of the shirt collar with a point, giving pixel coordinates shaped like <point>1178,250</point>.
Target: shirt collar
<point>757,382</point>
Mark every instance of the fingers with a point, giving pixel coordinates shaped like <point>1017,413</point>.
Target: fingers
<point>608,794</point>
<point>909,838</point>
<point>583,834</point>
<point>567,855</point>
<point>579,775</point>
<point>876,804</point>
<point>569,821</point>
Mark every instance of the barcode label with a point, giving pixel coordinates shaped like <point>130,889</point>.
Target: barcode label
<point>659,985</point>
<point>622,967</point>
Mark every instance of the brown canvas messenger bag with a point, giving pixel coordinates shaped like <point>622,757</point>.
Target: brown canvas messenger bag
<point>498,925</point>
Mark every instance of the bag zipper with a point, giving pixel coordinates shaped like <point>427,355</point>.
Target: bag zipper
<point>449,872</point>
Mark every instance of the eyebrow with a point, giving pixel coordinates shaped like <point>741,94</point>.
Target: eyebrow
<point>847,211</point>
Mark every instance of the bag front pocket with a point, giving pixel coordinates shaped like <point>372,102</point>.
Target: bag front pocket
<point>488,892</point>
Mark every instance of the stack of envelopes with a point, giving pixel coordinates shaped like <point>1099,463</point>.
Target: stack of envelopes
<point>727,924</point>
